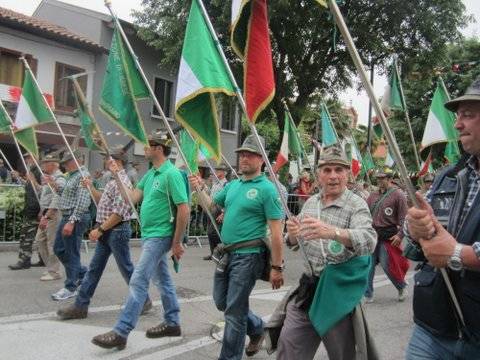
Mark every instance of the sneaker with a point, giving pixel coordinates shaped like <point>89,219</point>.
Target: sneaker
<point>163,330</point>
<point>402,294</point>
<point>72,312</point>
<point>64,294</point>
<point>147,307</point>
<point>254,345</point>
<point>50,277</point>
<point>369,299</point>
<point>110,340</point>
<point>20,265</point>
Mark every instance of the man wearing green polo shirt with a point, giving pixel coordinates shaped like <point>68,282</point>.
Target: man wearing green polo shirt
<point>163,218</point>
<point>250,203</point>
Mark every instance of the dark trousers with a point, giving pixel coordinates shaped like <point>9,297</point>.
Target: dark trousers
<point>26,239</point>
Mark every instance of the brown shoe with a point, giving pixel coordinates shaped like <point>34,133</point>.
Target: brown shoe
<point>147,307</point>
<point>110,340</point>
<point>72,312</point>
<point>254,345</point>
<point>163,330</point>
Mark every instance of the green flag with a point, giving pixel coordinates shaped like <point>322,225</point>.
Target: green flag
<point>440,125</point>
<point>25,137</point>
<point>202,73</point>
<point>294,142</point>
<point>329,135</point>
<point>396,102</point>
<point>190,150</point>
<point>367,162</point>
<point>122,86</point>
<point>88,126</point>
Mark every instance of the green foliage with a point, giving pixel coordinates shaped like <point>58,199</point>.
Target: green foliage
<point>419,83</point>
<point>310,61</point>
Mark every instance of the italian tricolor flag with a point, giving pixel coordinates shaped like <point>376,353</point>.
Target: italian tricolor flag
<point>251,42</point>
<point>202,73</point>
<point>32,107</point>
<point>290,144</point>
<point>440,125</point>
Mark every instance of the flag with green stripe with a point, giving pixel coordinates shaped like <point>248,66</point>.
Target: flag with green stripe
<point>202,73</point>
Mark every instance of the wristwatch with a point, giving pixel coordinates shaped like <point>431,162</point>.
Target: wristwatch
<point>455,262</point>
<point>278,268</point>
<point>337,235</point>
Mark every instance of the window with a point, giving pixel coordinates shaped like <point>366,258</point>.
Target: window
<point>63,91</point>
<point>228,113</point>
<point>12,69</point>
<point>163,93</point>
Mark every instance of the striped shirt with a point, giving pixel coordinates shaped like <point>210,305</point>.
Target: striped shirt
<point>349,212</point>
<point>75,199</point>
<point>112,202</point>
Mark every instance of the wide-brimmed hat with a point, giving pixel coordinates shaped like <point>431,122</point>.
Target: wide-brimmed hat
<point>333,156</point>
<point>52,157</point>
<point>159,138</point>
<point>251,145</point>
<point>383,173</point>
<point>67,156</point>
<point>472,94</point>
<point>117,152</point>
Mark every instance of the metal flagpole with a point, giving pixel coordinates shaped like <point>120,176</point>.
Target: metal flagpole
<point>102,138</point>
<point>230,166</point>
<point>154,99</point>
<point>397,156</point>
<point>407,116</point>
<point>27,170</point>
<point>298,134</point>
<point>25,63</point>
<point>252,126</point>
<point>6,160</point>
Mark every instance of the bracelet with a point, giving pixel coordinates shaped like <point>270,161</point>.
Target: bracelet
<point>277,268</point>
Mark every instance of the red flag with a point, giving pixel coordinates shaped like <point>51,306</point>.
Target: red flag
<point>426,165</point>
<point>251,41</point>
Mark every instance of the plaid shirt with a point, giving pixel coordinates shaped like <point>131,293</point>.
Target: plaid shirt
<point>473,187</point>
<point>75,198</point>
<point>49,199</point>
<point>112,202</point>
<point>349,212</point>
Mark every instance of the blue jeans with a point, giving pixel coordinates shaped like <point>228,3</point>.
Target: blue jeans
<point>114,241</point>
<point>231,291</point>
<point>153,264</point>
<point>381,256</point>
<point>425,346</point>
<point>67,249</point>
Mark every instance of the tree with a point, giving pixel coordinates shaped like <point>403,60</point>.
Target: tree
<point>458,66</point>
<point>310,59</point>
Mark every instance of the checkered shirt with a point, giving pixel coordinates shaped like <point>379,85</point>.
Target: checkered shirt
<point>112,201</point>
<point>349,212</point>
<point>75,199</point>
<point>473,187</point>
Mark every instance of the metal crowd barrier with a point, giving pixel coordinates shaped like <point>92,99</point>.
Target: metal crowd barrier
<point>11,211</point>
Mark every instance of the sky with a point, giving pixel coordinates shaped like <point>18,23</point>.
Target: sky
<point>123,7</point>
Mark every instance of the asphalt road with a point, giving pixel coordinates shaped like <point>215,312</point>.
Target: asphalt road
<point>29,329</point>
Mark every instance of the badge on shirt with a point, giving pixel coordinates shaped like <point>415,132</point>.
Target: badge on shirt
<point>252,194</point>
<point>388,211</point>
<point>335,247</point>
<point>156,184</point>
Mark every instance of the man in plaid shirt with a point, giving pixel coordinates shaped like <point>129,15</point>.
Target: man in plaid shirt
<point>112,232</point>
<point>74,208</point>
<point>337,237</point>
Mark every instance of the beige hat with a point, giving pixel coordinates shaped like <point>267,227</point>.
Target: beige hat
<point>333,155</point>
<point>472,94</point>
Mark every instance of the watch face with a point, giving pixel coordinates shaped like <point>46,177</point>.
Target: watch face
<point>455,264</point>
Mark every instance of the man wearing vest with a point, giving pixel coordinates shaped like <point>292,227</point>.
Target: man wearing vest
<point>441,331</point>
<point>337,236</point>
<point>388,206</point>
<point>250,203</point>
<point>164,216</point>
